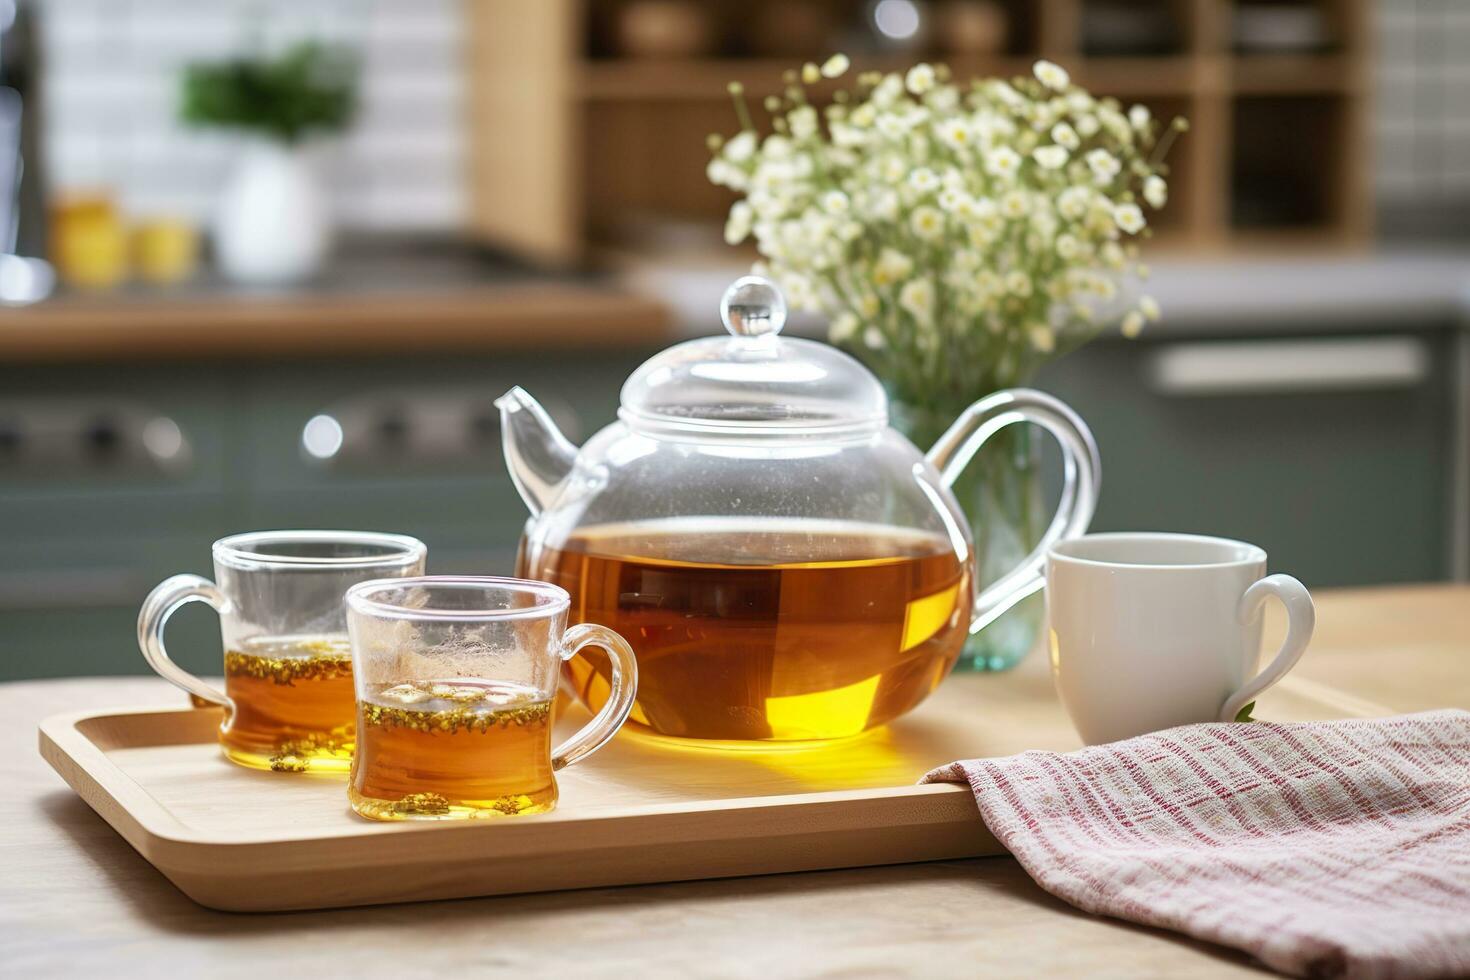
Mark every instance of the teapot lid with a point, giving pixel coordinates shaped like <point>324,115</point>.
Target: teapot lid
<point>754,381</point>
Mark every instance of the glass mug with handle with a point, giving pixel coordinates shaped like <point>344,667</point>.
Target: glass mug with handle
<point>456,679</point>
<point>288,674</point>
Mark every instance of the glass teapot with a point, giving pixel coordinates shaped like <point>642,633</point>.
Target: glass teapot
<point>785,565</point>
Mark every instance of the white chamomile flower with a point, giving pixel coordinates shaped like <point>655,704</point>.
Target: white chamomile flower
<point>844,327</point>
<point>1003,92</point>
<point>887,91</point>
<point>891,267</point>
<point>917,297</point>
<point>1115,123</point>
<point>798,290</point>
<point>1129,218</point>
<point>1018,284</point>
<point>956,133</point>
<point>920,79</point>
<point>1132,324</point>
<point>836,66</point>
<point>1074,202</point>
<point>944,98</point>
<point>923,180</point>
<point>738,224</point>
<point>869,305</point>
<point>952,199</point>
<point>1155,191</point>
<point>846,137</point>
<point>891,126</point>
<point>1042,337</point>
<point>1112,255</point>
<point>883,205</point>
<point>1066,136</point>
<point>1002,162</point>
<point>850,231</point>
<point>1139,117</point>
<point>803,122</point>
<point>1067,247</point>
<point>1014,204</point>
<point>1053,76</point>
<point>1087,126</point>
<point>873,338</point>
<point>927,222</point>
<point>1104,165</point>
<point>1050,157</point>
<point>1149,307</point>
<point>741,147</point>
<point>835,202</point>
<point>726,174</point>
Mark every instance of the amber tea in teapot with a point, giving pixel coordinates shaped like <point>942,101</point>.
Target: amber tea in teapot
<point>769,628</point>
<point>785,565</point>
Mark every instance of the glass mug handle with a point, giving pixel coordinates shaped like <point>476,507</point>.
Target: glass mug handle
<point>162,603</point>
<point>606,723</point>
<point>1082,471</point>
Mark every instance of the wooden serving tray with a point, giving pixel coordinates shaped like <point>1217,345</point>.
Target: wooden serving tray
<point>638,811</point>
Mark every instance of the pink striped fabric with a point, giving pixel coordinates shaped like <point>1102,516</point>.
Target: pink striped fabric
<point>1324,849</point>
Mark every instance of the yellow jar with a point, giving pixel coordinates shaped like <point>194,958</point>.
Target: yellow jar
<point>165,251</point>
<point>89,244</point>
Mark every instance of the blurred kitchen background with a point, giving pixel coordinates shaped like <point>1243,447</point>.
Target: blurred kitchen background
<point>520,198</point>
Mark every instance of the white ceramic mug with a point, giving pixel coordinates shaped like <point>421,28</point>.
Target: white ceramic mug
<point>1149,631</point>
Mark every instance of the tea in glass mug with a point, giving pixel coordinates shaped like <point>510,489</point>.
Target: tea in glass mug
<point>288,694</point>
<point>455,681</point>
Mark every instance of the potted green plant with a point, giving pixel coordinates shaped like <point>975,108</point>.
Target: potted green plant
<point>273,224</point>
<point>957,236</point>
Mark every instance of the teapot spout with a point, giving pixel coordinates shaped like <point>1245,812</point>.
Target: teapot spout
<point>538,456</point>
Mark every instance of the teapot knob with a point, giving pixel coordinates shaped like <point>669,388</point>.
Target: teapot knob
<point>753,307</point>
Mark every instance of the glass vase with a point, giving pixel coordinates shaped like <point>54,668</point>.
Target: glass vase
<point>1000,492</point>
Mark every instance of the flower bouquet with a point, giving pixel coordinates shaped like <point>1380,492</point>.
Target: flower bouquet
<point>957,236</point>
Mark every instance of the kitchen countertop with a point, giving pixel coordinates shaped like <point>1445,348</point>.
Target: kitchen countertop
<point>407,299</point>
<point>1386,290</point>
<point>76,900</point>
<point>376,298</point>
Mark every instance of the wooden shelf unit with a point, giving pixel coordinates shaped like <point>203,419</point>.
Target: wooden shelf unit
<point>571,149</point>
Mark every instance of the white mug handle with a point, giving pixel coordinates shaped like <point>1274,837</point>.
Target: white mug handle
<point>1301,619</point>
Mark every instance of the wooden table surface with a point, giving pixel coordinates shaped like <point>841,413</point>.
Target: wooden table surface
<point>75,900</point>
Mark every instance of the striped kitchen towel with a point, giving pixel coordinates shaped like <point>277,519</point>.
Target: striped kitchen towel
<point>1336,848</point>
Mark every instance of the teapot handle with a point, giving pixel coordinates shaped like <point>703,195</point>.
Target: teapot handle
<point>1082,471</point>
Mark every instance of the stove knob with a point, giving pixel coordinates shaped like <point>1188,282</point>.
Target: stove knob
<point>101,438</point>
<point>393,429</point>
<point>11,439</point>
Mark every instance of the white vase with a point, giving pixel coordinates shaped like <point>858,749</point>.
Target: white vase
<point>273,225</point>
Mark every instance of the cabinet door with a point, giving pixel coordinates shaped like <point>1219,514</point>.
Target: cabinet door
<point>1340,472</point>
<point>111,479</point>
<point>420,448</point>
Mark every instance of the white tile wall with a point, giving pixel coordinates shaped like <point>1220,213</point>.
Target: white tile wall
<point>1423,122</point>
<point>110,101</point>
